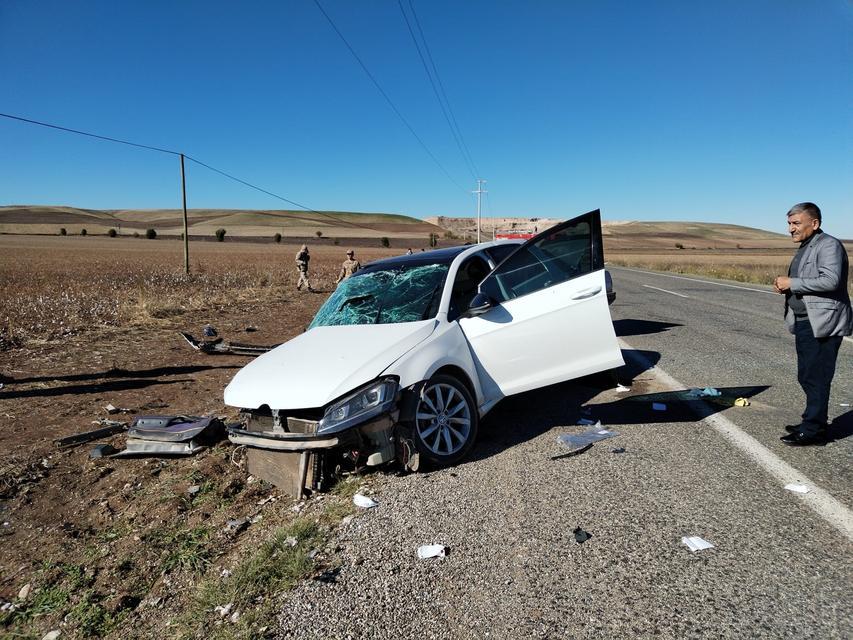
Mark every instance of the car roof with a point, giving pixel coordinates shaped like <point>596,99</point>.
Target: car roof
<point>435,256</point>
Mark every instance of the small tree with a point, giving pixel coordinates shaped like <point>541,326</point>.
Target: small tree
<point>319,234</point>
<point>433,239</point>
<point>220,235</point>
<point>83,232</point>
<point>63,231</point>
<point>151,234</point>
<point>277,237</point>
<point>385,242</point>
<point>112,233</point>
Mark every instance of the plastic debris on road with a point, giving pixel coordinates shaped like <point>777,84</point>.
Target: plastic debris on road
<point>840,404</point>
<point>742,402</point>
<point>621,388</point>
<point>432,551</point>
<point>658,406</point>
<point>580,440</point>
<point>588,421</point>
<point>581,536</point>
<point>364,502</point>
<point>707,392</point>
<point>695,543</point>
<point>797,488</point>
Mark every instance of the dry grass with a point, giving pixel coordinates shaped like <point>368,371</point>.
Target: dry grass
<point>758,268</point>
<point>54,287</point>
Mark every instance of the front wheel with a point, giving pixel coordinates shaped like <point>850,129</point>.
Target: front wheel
<point>445,421</point>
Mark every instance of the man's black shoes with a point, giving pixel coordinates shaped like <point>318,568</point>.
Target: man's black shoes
<point>793,428</point>
<point>800,439</point>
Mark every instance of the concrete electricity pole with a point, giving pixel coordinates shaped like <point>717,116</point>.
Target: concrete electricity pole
<point>479,193</point>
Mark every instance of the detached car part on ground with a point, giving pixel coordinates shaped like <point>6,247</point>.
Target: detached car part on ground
<point>406,356</point>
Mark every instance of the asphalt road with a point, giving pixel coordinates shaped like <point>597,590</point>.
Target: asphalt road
<point>780,566</point>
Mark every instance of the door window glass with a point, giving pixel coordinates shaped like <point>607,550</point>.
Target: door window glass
<point>550,259</point>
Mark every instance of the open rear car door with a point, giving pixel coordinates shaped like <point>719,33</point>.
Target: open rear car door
<point>541,316</point>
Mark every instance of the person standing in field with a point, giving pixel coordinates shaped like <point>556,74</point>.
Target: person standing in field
<point>818,313</point>
<point>349,266</point>
<point>302,258</point>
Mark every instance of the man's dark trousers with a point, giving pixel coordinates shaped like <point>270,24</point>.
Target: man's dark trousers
<point>815,369</point>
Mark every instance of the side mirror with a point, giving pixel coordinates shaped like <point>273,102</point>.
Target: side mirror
<point>479,305</point>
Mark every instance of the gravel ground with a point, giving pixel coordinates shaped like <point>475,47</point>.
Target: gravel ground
<point>515,570</point>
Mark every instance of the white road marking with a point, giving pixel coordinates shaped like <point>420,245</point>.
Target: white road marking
<point>680,295</point>
<point>719,284</point>
<point>818,500</point>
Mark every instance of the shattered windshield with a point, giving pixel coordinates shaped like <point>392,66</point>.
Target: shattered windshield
<point>385,296</point>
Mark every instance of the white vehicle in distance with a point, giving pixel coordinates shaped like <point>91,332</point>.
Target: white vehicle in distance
<point>406,356</point>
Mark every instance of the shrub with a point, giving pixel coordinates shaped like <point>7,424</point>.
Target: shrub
<point>678,245</point>
<point>277,237</point>
<point>433,239</point>
<point>135,234</point>
<point>385,242</point>
<point>151,234</point>
<point>337,241</point>
<point>112,233</point>
<point>63,231</point>
<point>220,235</point>
<point>83,232</point>
<point>319,234</point>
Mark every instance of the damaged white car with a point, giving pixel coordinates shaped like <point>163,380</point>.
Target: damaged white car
<point>407,355</point>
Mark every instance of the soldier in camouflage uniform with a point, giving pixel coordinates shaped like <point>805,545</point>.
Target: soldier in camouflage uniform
<point>349,267</point>
<point>302,259</point>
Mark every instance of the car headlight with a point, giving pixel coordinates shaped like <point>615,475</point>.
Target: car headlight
<point>367,402</point>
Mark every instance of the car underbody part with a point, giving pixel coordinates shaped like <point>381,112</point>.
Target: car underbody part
<point>109,428</point>
<point>224,347</point>
<point>171,435</point>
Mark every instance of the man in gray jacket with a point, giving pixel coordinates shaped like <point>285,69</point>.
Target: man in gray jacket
<point>818,313</point>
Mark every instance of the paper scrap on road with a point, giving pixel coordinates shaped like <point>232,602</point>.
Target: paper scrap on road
<point>621,388</point>
<point>432,551</point>
<point>695,543</point>
<point>797,488</point>
<point>840,404</point>
<point>658,406</point>
<point>364,502</point>
<point>742,402</point>
<point>580,440</point>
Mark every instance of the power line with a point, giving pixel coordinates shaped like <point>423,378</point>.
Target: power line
<point>188,157</point>
<point>435,89</point>
<point>385,95</point>
<point>91,135</point>
<point>464,146</point>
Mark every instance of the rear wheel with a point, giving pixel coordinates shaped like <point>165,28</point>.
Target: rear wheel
<point>446,420</point>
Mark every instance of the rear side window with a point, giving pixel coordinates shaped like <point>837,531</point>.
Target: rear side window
<point>551,259</point>
<point>501,251</point>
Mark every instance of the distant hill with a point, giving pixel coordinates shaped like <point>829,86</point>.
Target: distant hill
<point>618,236</point>
<point>33,219</point>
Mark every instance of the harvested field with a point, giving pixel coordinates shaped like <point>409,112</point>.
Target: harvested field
<point>756,266</point>
<point>140,547</point>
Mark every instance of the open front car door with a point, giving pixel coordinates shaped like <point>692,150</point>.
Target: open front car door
<point>541,316</point>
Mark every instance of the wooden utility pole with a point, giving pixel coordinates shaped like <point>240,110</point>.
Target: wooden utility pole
<point>186,230</point>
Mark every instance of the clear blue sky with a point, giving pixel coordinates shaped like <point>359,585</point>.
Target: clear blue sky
<point>727,111</point>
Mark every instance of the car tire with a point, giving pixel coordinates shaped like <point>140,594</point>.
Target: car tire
<point>445,421</point>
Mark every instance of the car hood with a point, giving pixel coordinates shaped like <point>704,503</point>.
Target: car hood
<point>322,364</point>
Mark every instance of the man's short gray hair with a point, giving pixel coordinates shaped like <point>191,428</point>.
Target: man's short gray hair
<point>809,208</point>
